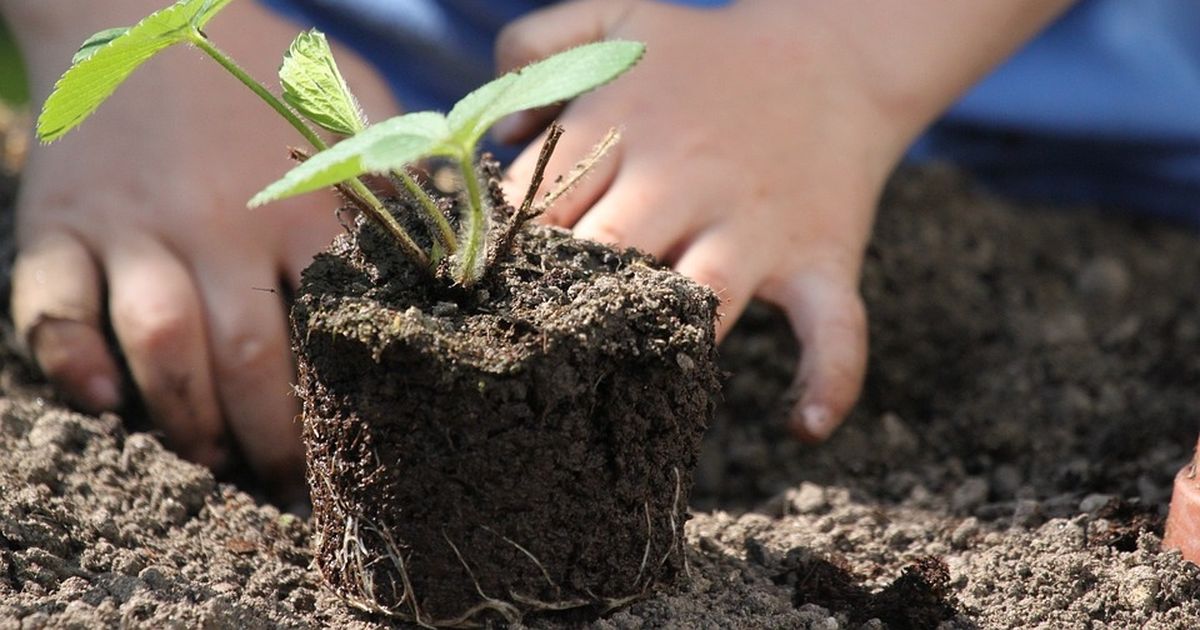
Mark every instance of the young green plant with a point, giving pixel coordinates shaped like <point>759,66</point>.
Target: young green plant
<point>314,89</point>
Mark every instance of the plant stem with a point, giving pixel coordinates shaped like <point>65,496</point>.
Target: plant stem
<point>523,214</point>
<point>476,221</point>
<point>441,226</point>
<point>229,64</point>
<point>377,211</point>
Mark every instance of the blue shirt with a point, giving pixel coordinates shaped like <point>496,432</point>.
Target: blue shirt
<point>1103,107</point>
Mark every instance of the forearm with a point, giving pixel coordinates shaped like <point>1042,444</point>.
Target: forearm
<point>919,56</point>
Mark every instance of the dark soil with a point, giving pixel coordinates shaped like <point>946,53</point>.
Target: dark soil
<point>524,445</point>
<point>1030,368</point>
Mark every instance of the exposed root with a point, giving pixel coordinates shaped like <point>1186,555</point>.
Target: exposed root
<point>539,605</point>
<point>528,554</point>
<point>674,524</point>
<point>511,613</point>
<point>649,539</point>
<point>364,545</point>
<point>675,533</point>
<point>397,558</point>
<point>352,554</point>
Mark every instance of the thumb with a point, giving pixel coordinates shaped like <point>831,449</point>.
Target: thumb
<point>541,34</point>
<point>828,317</point>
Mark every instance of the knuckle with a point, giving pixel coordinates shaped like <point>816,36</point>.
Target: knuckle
<point>57,363</point>
<point>157,329</point>
<point>714,277</point>
<point>244,353</point>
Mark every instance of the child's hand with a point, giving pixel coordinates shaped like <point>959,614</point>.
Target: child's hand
<point>756,140</point>
<point>138,221</point>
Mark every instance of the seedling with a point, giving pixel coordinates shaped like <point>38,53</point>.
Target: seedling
<point>314,90</point>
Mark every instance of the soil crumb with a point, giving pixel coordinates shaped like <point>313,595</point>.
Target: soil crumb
<point>1033,371</point>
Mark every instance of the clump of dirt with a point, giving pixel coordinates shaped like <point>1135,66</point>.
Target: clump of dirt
<point>1030,367</point>
<point>526,444</point>
<point>916,599</point>
<point>1128,520</point>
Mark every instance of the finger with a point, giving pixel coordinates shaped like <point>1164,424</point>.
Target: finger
<point>722,262</point>
<point>56,312</point>
<point>521,126</point>
<point>828,317</point>
<point>252,366</point>
<point>637,211</point>
<point>576,145</point>
<point>301,245</point>
<point>542,33</point>
<point>156,315</point>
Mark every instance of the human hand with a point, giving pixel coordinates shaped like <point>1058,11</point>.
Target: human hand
<point>756,141</point>
<point>138,221</point>
<point>747,178</point>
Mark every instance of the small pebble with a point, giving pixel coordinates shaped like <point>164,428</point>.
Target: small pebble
<point>127,562</point>
<point>1139,588</point>
<point>1027,514</point>
<point>1093,502</point>
<point>970,494</point>
<point>809,498</point>
<point>964,534</point>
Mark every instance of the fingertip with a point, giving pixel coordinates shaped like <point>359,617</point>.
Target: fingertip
<point>813,423</point>
<point>829,320</point>
<point>540,33</point>
<point>712,259</point>
<point>102,393</point>
<point>75,358</point>
<point>214,456</point>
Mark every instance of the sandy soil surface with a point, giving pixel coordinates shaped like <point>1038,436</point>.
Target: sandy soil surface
<point>1034,385</point>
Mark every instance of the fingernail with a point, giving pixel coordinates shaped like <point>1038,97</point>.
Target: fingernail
<point>102,393</point>
<point>817,420</point>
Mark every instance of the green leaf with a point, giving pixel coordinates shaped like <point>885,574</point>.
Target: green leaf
<point>380,148</point>
<point>204,10</point>
<point>109,57</point>
<point>557,78</point>
<point>313,85</point>
<point>96,42</point>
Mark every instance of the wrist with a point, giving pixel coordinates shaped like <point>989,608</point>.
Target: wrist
<point>915,60</point>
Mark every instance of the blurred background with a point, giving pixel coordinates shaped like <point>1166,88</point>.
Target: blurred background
<point>14,104</point>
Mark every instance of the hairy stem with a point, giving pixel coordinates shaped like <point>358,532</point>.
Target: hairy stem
<point>375,208</point>
<point>523,214</point>
<point>441,227</point>
<point>472,249</point>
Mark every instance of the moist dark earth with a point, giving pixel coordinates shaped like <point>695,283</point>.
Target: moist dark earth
<point>1032,389</point>
<point>526,443</point>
